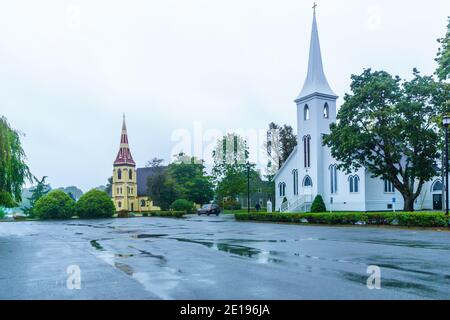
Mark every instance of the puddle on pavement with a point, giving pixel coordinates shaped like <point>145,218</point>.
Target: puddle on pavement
<point>124,267</point>
<point>96,245</point>
<point>144,236</point>
<point>405,243</point>
<point>408,286</point>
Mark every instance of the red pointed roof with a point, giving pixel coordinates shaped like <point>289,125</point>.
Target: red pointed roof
<point>124,157</point>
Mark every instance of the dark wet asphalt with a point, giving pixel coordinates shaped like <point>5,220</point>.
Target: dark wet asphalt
<point>219,258</point>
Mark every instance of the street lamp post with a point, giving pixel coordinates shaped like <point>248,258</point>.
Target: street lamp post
<point>248,187</point>
<point>446,123</point>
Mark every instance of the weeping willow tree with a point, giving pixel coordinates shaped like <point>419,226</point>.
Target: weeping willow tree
<point>13,169</point>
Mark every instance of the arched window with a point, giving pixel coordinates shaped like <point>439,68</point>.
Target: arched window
<point>326,111</point>
<point>333,178</point>
<point>306,112</point>
<point>307,182</point>
<point>295,178</point>
<point>353,182</point>
<point>119,174</point>
<point>282,187</point>
<point>437,186</point>
<point>119,204</point>
<point>388,187</point>
<point>307,151</point>
<point>142,203</point>
<point>130,174</point>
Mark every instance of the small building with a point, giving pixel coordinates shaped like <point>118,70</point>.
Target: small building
<point>129,185</point>
<point>260,192</point>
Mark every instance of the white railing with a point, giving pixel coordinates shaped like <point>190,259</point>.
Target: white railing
<point>300,204</point>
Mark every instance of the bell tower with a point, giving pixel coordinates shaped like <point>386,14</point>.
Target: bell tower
<point>124,187</point>
<point>316,110</point>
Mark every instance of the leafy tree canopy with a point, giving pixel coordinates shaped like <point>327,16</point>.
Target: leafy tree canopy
<point>38,191</point>
<point>443,56</point>
<point>391,128</point>
<point>55,205</point>
<point>13,168</point>
<point>95,204</point>
<point>281,141</point>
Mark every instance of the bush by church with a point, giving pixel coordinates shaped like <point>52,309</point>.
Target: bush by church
<point>55,205</point>
<point>318,205</point>
<point>407,219</point>
<point>95,204</point>
<point>182,205</point>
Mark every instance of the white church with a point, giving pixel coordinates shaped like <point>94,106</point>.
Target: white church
<point>310,170</point>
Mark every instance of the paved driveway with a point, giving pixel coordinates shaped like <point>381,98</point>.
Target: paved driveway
<point>218,258</point>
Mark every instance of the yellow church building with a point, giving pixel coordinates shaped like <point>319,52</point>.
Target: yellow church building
<point>129,185</point>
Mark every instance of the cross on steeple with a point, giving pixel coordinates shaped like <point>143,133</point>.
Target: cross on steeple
<point>314,7</point>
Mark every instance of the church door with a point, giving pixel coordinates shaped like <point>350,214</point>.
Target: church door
<point>132,206</point>
<point>437,201</point>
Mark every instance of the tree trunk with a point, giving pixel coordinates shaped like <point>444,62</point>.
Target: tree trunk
<point>408,205</point>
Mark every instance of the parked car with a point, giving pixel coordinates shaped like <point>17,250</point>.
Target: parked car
<point>209,209</point>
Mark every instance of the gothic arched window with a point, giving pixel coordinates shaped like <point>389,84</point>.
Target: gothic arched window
<point>130,174</point>
<point>307,182</point>
<point>326,111</point>
<point>307,151</point>
<point>306,112</point>
<point>437,186</point>
<point>119,174</point>
<point>282,187</point>
<point>354,184</point>
<point>388,187</point>
<point>333,178</point>
<point>295,178</point>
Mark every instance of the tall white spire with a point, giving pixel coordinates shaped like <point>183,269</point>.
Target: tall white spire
<point>315,82</point>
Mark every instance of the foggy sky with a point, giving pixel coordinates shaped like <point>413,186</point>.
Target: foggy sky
<point>70,69</point>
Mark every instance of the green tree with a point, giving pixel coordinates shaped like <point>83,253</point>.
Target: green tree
<point>182,205</point>
<point>13,169</point>
<point>318,205</point>
<point>281,141</point>
<point>95,204</point>
<point>55,205</point>
<point>191,181</point>
<point>108,188</point>
<point>230,167</point>
<point>443,56</point>
<point>161,187</point>
<point>38,191</point>
<point>389,127</point>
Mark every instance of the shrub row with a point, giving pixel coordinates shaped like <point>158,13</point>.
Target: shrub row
<point>182,205</point>
<point>58,205</point>
<point>409,219</point>
<point>170,214</point>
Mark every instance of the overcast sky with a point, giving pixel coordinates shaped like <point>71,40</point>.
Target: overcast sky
<point>69,69</point>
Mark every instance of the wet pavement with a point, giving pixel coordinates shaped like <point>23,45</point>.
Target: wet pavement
<point>218,258</point>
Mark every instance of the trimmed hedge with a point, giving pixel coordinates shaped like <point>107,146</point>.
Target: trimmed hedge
<point>169,214</point>
<point>408,219</point>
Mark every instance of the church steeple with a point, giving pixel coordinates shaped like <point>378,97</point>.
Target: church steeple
<point>316,82</point>
<point>124,157</point>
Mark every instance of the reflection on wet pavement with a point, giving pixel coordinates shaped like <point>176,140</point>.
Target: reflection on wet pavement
<point>198,258</point>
